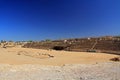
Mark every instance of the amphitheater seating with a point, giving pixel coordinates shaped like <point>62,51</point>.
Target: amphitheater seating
<point>84,44</point>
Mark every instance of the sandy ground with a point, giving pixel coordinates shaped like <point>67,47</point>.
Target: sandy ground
<point>37,64</point>
<point>50,57</point>
<point>100,71</point>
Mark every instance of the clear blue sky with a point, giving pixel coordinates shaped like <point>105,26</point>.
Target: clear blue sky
<point>56,19</point>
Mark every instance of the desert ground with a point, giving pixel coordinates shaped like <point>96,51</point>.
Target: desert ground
<point>38,64</point>
<point>50,57</point>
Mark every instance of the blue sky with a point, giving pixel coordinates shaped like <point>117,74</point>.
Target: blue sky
<point>58,19</point>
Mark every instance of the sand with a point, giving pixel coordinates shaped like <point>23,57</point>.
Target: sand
<point>38,64</point>
<point>18,56</point>
<point>100,71</point>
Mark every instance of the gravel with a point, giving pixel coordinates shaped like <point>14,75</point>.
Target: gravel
<point>99,71</point>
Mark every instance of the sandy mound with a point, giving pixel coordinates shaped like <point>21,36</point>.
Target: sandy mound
<point>35,55</point>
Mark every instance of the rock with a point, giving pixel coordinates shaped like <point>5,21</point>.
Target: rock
<point>115,59</point>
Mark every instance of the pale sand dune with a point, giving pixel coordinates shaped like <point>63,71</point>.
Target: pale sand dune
<point>38,56</point>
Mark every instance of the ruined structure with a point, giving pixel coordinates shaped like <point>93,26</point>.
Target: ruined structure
<point>108,44</point>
